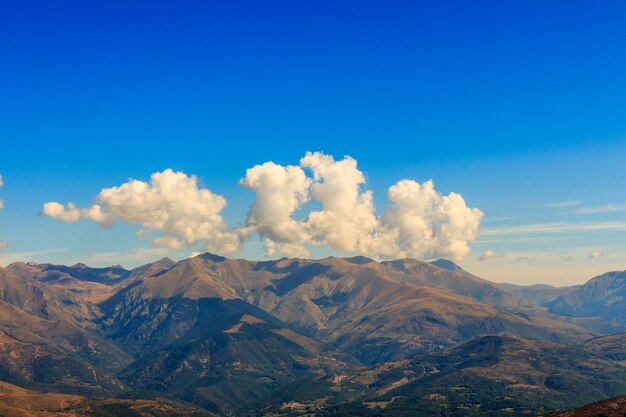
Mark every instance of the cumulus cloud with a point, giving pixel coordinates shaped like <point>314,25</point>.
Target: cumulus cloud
<point>490,254</point>
<point>417,222</point>
<point>172,203</point>
<point>597,254</point>
<point>60,212</point>
<point>347,220</point>
<point>280,191</point>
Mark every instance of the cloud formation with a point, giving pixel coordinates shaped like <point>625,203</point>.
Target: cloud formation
<point>607,208</point>
<point>172,203</point>
<point>596,254</point>
<point>418,221</point>
<point>490,254</point>
<point>561,204</point>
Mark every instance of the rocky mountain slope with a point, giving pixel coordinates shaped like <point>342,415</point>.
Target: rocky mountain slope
<point>291,337</point>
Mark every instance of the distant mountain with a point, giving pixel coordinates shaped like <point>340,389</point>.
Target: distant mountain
<point>43,300</point>
<point>540,294</point>
<point>603,296</point>
<point>81,272</point>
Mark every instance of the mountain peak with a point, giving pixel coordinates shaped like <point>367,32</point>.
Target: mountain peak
<point>212,257</point>
<point>446,264</point>
<point>359,260</point>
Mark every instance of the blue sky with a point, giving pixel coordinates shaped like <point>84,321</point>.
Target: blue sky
<point>514,105</point>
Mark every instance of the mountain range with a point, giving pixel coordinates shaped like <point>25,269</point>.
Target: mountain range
<point>295,337</point>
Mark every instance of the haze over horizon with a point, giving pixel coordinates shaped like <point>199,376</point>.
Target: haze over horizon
<point>516,116</point>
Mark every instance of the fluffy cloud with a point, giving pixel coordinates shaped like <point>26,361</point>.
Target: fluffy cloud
<point>429,225</point>
<point>60,212</point>
<point>597,254</point>
<point>418,221</point>
<point>171,203</point>
<point>280,191</point>
<point>347,220</point>
<point>490,254</point>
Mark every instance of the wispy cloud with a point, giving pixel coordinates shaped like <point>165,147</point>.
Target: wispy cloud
<point>490,254</point>
<point>508,218</point>
<point>606,208</point>
<point>597,254</point>
<point>560,204</point>
<point>561,227</point>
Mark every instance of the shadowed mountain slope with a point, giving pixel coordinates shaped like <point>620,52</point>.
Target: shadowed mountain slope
<point>602,296</point>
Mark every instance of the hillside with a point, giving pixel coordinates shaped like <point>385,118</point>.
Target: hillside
<point>19,402</point>
<point>603,296</point>
<point>489,375</point>
<point>292,337</point>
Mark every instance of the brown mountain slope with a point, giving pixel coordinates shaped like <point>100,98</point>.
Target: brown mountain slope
<point>19,402</point>
<point>495,376</point>
<point>375,311</point>
<point>612,346</point>
<point>91,284</point>
<point>43,300</point>
<point>56,354</point>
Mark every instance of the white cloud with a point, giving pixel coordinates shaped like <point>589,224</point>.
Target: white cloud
<point>431,225</point>
<point>560,204</point>
<point>171,203</point>
<point>280,191</point>
<point>419,222</point>
<point>3,245</point>
<point>607,208</point>
<point>58,211</point>
<point>597,254</point>
<point>561,227</point>
<point>490,254</point>
<point>347,220</point>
